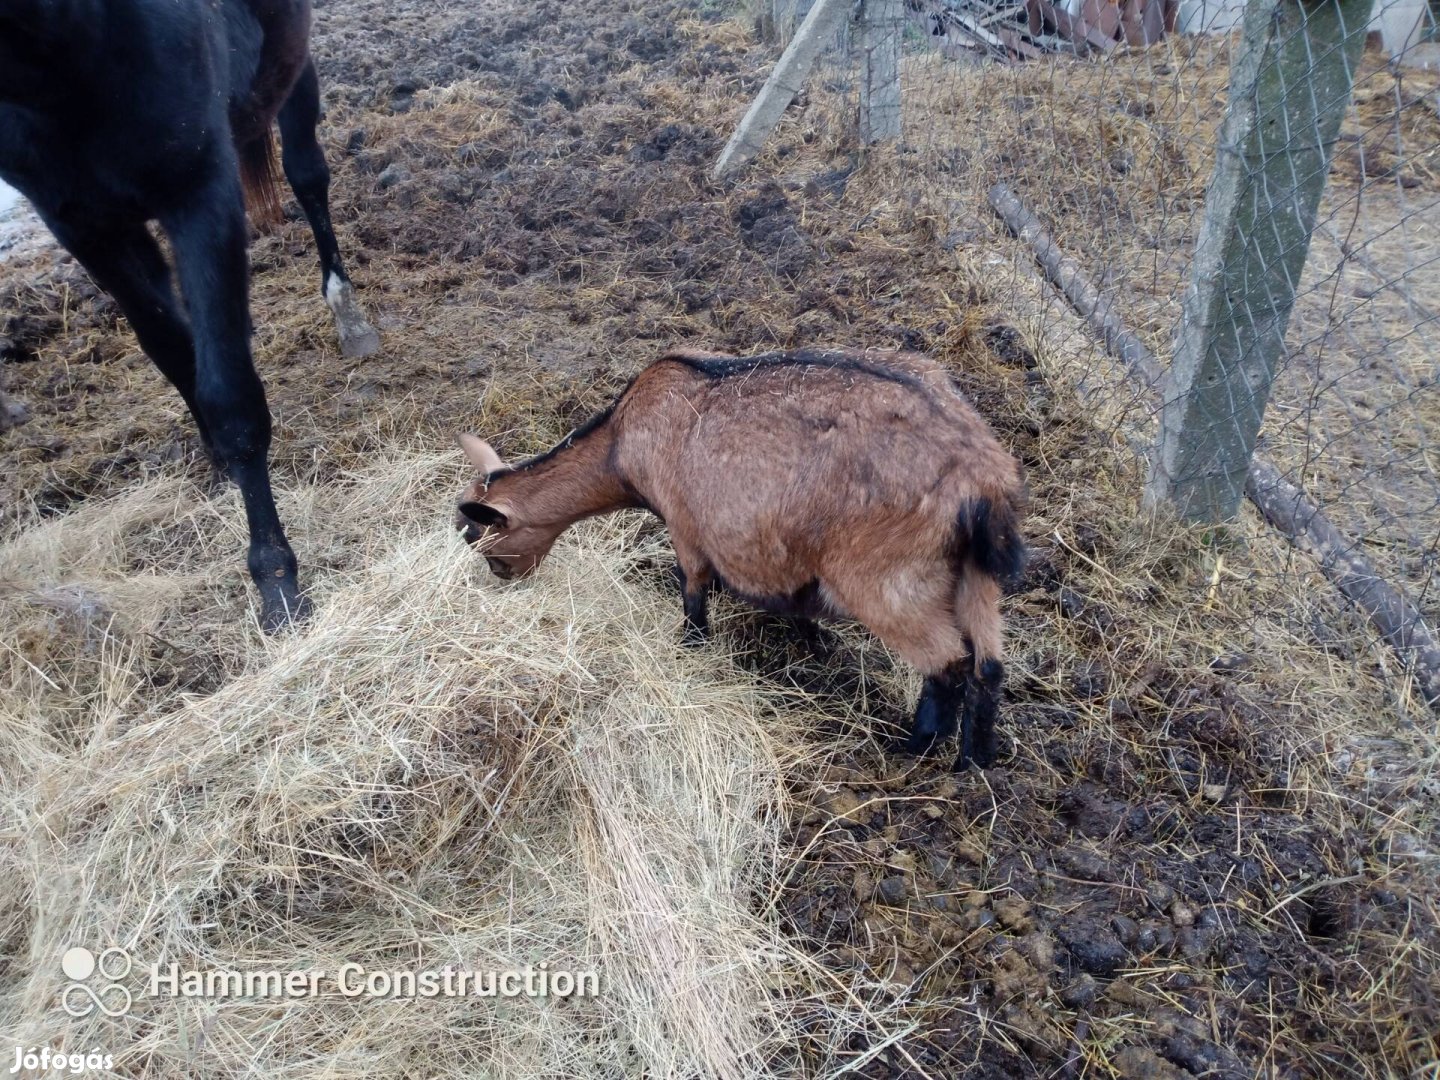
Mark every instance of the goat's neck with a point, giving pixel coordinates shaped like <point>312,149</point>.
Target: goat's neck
<point>574,483</point>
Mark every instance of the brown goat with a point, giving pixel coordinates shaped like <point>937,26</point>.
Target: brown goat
<point>817,483</point>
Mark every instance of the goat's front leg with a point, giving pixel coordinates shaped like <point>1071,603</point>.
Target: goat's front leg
<point>696,576</point>
<point>208,234</point>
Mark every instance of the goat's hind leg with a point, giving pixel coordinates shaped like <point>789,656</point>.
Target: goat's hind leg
<point>979,713</point>
<point>977,612</point>
<point>964,697</point>
<point>941,699</point>
<point>309,177</point>
<point>925,635</point>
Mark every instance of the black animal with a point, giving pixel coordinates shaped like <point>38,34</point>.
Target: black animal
<point>115,113</point>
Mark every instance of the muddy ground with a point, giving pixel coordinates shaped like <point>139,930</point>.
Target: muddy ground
<point>1154,883</point>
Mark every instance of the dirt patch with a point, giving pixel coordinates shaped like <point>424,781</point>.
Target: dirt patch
<point>1188,864</point>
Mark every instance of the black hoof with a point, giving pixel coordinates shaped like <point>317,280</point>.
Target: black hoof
<point>919,744</point>
<point>981,759</point>
<point>283,606</point>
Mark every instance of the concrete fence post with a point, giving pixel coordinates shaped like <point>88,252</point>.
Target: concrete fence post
<point>782,86</point>
<point>882,22</point>
<point>1290,85</point>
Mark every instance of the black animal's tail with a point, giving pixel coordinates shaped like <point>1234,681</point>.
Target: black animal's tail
<point>257,177</point>
<point>987,536</point>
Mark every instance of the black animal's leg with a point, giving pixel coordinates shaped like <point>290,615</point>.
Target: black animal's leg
<point>982,708</point>
<point>209,236</point>
<point>941,698</point>
<point>309,176</point>
<point>125,261</point>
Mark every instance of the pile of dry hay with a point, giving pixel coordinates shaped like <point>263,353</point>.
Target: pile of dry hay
<point>440,770</point>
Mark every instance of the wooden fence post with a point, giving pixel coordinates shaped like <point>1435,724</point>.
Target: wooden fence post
<point>1289,88</point>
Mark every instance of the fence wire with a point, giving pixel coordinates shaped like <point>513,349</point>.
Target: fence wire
<point>1105,121</point>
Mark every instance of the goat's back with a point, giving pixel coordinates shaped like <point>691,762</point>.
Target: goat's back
<point>796,458</point>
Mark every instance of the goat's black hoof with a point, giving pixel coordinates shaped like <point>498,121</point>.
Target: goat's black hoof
<point>694,637</point>
<point>980,759</point>
<point>919,744</point>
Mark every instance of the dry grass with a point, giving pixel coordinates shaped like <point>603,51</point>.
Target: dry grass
<point>440,770</point>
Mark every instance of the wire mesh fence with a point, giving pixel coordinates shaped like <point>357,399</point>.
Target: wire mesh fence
<point>1250,190</point>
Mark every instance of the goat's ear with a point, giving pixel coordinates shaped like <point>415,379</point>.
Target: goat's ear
<point>492,517</point>
<point>481,454</point>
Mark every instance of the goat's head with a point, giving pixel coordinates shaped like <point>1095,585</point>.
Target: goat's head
<point>492,523</point>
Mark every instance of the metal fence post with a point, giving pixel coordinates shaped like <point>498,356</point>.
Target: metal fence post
<point>881,24</point>
<point>1289,87</point>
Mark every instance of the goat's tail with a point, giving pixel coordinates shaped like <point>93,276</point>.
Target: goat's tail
<point>257,177</point>
<point>988,554</point>
<point>987,538</point>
